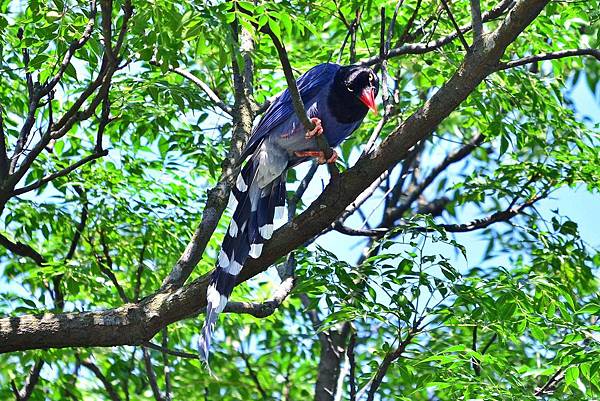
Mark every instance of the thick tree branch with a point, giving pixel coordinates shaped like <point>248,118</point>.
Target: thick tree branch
<point>135,323</point>
<point>549,56</point>
<point>476,20</point>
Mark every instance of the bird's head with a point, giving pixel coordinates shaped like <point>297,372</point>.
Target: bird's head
<point>362,83</point>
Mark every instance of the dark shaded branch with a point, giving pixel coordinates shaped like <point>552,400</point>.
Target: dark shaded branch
<point>352,362</point>
<point>253,375</point>
<point>502,216</point>
<point>390,357</point>
<point>168,351</point>
<point>110,390</point>
<point>22,249</point>
<point>32,379</point>
<point>151,376</point>
<point>549,56</point>
<point>166,368</point>
<point>3,154</point>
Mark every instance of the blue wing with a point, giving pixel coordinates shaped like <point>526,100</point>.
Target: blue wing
<point>309,86</point>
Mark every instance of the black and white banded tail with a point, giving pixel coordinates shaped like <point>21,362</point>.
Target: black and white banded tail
<point>257,199</point>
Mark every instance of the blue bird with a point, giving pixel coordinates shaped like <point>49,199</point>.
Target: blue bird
<point>337,99</point>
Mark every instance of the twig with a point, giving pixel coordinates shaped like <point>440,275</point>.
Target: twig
<point>61,173</point>
<point>454,157</point>
<point>181,354</point>
<point>501,216</point>
<point>200,84</point>
<point>253,375</point>
<point>458,30</point>
<point>166,368</point>
<point>30,382</point>
<point>110,390</point>
<point>296,99</point>
<point>549,56</point>
<point>151,376</point>
<point>390,357</point>
<point>476,18</point>
<point>352,361</point>
<point>421,48</point>
<point>266,308</point>
<point>475,363</point>
<point>3,154</point>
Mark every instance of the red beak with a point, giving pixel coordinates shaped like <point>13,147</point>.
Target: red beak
<point>367,96</point>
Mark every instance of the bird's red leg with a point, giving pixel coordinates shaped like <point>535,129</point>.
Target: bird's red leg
<point>320,155</point>
<point>318,130</point>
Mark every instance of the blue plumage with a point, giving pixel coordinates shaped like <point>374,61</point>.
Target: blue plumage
<point>339,97</point>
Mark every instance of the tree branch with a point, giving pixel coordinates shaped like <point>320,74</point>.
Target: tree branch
<point>200,84</point>
<point>421,48</point>
<point>501,216</point>
<point>168,351</point>
<point>110,390</point>
<point>297,100</point>
<point>394,213</point>
<point>135,323</point>
<point>216,201</point>
<point>266,308</point>
<point>458,30</point>
<point>32,379</point>
<point>549,56</point>
<point>151,376</point>
<point>22,249</point>
<point>50,177</point>
<point>253,375</point>
<point>476,20</point>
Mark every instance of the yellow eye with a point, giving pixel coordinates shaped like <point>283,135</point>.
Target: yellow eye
<point>370,78</point>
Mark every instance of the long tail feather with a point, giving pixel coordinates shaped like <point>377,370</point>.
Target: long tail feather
<point>250,226</point>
